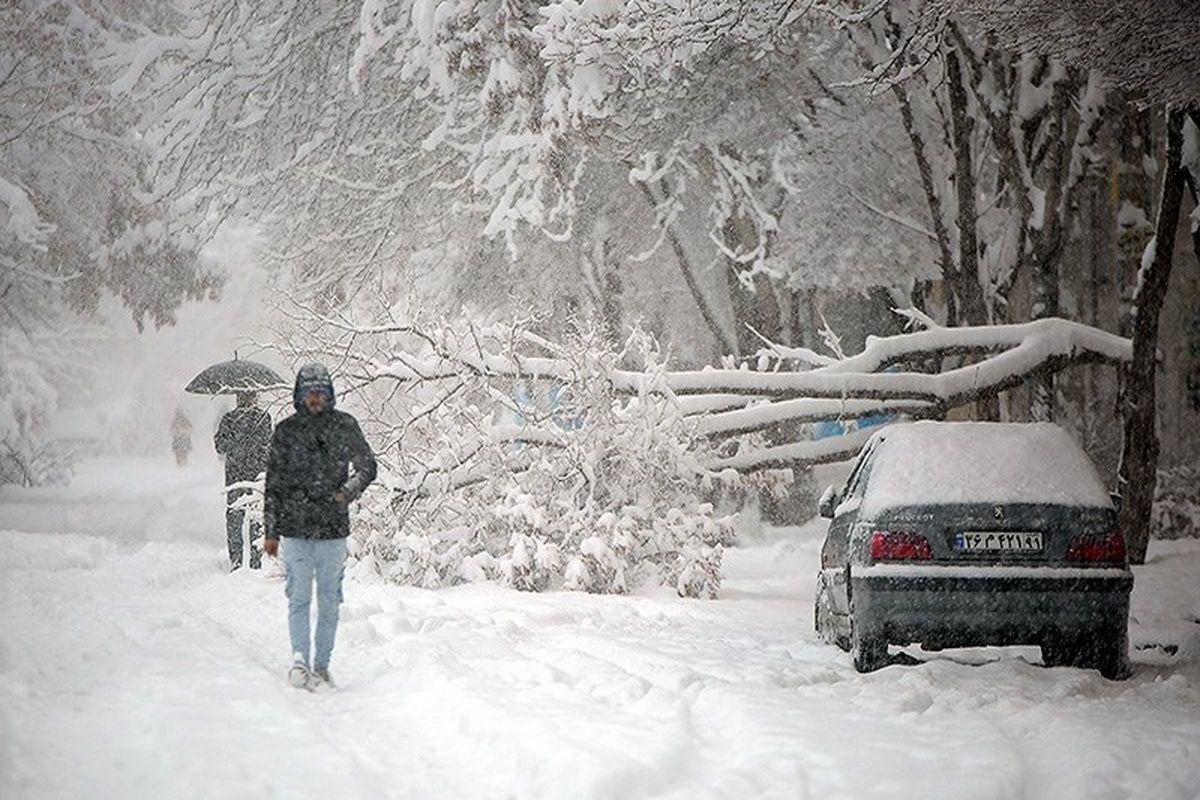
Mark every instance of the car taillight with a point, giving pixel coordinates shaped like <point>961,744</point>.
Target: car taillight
<point>1108,548</point>
<point>899,546</point>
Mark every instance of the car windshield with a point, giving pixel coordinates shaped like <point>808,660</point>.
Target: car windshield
<point>940,463</point>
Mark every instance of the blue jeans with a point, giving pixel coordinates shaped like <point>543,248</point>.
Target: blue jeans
<point>305,560</point>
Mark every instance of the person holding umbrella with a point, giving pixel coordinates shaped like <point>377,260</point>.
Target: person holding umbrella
<point>243,438</point>
<point>309,489</point>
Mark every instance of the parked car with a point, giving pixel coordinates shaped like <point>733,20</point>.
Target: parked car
<point>958,534</point>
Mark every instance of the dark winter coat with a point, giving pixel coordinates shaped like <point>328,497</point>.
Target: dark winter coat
<point>308,464</point>
<point>243,437</point>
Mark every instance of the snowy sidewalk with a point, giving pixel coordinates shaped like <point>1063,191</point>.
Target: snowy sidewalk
<point>132,666</point>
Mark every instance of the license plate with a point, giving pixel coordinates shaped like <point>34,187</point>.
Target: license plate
<point>998,541</point>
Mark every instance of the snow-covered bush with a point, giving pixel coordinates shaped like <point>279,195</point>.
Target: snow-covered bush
<point>1177,503</point>
<point>36,462</point>
<point>555,481</point>
<point>34,368</point>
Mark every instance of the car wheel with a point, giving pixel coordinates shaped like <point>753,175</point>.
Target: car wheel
<point>1060,651</point>
<point>1104,650</point>
<point>1107,651</point>
<point>868,650</point>
<point>823,618</point>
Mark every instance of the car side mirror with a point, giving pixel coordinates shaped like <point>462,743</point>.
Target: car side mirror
<point>828,502</point>
<point>1116,500</point>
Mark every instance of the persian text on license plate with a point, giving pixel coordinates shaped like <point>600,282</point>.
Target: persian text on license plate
<point>1016,541</point>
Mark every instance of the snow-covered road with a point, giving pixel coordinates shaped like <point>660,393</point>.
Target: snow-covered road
<point>133,666</point>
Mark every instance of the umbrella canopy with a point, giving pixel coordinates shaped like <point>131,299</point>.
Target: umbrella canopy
<point>231,377</point>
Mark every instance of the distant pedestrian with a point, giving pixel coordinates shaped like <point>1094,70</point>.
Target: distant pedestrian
<point>181,436</point>
<point>308,492</point>
<point>243,438</point>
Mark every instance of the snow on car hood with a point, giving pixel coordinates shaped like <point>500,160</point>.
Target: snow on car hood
<point>938,463</point>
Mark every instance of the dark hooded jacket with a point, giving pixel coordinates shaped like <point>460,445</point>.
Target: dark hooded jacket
<point>309,463</point>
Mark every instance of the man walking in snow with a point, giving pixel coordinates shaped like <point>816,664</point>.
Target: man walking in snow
<point>242,438</point>
<point>308,492</point>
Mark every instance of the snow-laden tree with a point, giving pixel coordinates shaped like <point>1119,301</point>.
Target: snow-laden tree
<point>72,225</point>
<point>1147,49</point>
<point>348,131</point>
<point>712,115</point>
<point>726,123</point>
<point>248,113</point>
<point>542,484</point>
<point>734,103</point>
<point>251,111</point>
<point>1003,141</point>
<point>568,464</point>
<point>1144,49</point>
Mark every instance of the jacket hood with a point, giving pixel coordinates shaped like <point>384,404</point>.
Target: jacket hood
<point>310,378</point>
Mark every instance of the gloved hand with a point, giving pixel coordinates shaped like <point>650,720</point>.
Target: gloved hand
<point>271,547</point>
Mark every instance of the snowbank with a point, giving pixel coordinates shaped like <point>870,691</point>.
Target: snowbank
<point>133,666</point>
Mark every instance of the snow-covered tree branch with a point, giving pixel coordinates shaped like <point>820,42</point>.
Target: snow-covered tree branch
<point>573,464</point>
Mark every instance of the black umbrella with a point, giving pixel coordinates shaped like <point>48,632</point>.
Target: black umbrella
<point>231,377</point>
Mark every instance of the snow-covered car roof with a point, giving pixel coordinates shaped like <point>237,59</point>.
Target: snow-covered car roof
<point>938,463</point>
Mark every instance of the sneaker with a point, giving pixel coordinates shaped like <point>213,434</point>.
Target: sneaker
<point>299,675</point>
<point>319,679</point>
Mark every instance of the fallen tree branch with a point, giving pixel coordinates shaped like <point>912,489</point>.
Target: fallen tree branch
<point>807,410</point>
<point>792,454</point>
<point>730,402</point>
<point>855,376</point>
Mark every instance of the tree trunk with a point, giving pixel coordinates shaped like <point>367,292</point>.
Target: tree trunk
<point>804,319</point>
<point>972,308</point>
<point>1139,441</point>
<point>1047,243</point>
<point>754,307</point>
<point>613,291</point>
<point>1192,175</point>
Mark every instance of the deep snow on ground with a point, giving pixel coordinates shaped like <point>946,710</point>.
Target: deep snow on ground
<point>132,665</point>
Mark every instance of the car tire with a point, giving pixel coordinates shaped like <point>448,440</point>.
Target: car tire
<point>1060,651</point>
<point>1106,650</point>
<point>868,650</point>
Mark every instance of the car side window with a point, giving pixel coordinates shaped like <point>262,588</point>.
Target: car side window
<point>837,542</point>
<point>856,483</point>
<point>845,492</point>
<point>859,489</point>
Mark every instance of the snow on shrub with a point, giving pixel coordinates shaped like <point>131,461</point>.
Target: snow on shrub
<point>543,484</point>
<point>31,372</point>
<point>1176,512</point>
